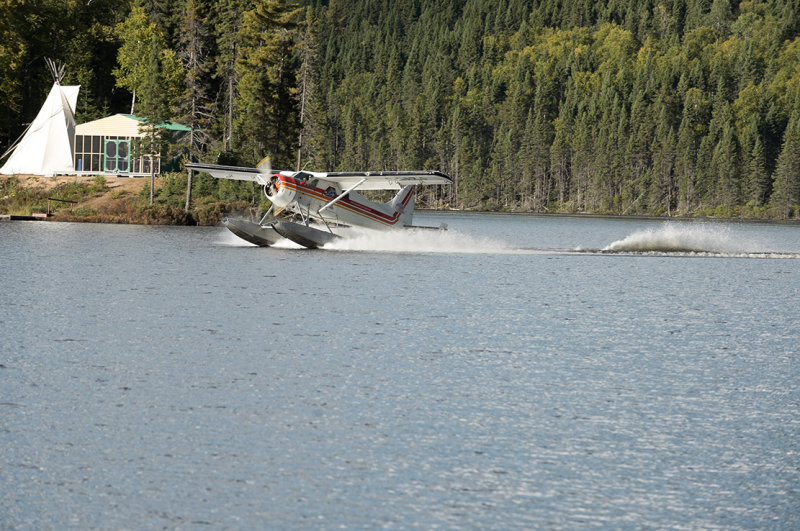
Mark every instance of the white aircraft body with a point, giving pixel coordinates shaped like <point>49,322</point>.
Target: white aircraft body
<point>329,199</point>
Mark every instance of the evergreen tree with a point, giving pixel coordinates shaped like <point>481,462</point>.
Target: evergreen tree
<point>267,83</point>
<point>194,103</point>
<point>663,194</point>
<point>560,157</point>
<point>759,181</point>
<point>692,128</point>
<point>311,111</point>
<point>786,194</point>
<point>139,38</point>
<point>225,17</point>
<point>12,64</point>
<point>155,108</point>
<point>720,16</point>
<point>726,169</point>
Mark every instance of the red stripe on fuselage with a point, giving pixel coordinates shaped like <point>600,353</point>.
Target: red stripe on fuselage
<point>348,204</point>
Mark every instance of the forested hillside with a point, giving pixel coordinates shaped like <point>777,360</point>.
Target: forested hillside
<point>615,106</point>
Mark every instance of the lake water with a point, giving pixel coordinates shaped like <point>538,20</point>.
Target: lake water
<point>514,372</point>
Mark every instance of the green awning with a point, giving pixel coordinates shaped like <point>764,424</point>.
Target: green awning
<point>170,126</point>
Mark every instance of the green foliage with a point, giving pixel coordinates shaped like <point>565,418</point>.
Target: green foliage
<point>632,108</point>
<point>786,197</point>
<point>13,50</point>
<point>147,68</point>
<point>98,184</point>
<point>136,34</point>
<point>535,105</point>
<point>266,100</point>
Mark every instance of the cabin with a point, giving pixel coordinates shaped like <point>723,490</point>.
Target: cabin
<point>54,145</point>
<point>108,146</point>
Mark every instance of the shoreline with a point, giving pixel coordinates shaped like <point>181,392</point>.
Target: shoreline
<point>111,199</point>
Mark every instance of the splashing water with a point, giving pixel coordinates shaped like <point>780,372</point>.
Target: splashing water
<point>417,241</point>
<point>686,238</point>
<point>229,239</point>
<point>674,239</point>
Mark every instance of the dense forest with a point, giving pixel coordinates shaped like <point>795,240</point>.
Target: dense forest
<point>666,107</point>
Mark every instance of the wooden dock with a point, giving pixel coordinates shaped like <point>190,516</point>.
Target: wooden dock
<point>36,216</point>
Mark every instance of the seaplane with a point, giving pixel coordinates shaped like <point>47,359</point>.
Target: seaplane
<point>323,205</point>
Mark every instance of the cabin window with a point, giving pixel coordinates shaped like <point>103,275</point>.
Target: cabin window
<point>88,153</point>
<point>142,164</point>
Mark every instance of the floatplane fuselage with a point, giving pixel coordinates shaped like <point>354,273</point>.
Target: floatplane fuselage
<point>328,199</point>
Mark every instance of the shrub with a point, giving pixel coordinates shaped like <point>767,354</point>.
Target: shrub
<point>174,186</point>
<point>83,212</point>
<point>98,184</point>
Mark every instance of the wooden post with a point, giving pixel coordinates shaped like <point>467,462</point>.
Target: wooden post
<point>152,178</point>
<point>189,191</point>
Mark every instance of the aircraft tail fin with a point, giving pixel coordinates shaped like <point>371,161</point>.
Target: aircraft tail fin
<point>403,202</point>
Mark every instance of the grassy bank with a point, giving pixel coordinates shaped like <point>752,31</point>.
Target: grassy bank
<point>114,200</point>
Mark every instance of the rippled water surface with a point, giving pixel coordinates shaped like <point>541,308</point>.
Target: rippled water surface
<point>513,372</point>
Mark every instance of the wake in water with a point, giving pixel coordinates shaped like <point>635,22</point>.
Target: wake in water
<point>417,241</point>
<point>669,239</point>
<point>675,238</point>
<point>692,239</point>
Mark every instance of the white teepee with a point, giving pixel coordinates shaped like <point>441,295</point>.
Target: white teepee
<point>47,146</point>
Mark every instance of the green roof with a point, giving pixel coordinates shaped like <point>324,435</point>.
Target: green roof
<point>170,126</point>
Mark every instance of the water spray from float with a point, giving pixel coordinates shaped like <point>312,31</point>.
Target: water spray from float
<point>417,241</point>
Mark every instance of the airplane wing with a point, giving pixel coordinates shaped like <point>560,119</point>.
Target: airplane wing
<point>237,173</point>
<point>372,180</point>
<point>384,180</point>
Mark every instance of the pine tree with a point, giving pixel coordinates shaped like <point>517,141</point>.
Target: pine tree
<point>725,161</point>
<point>664,186</point>
<point>155,108</point>
<point>786,189</point>
<point>693,127</point>
<point>166,15</point>
<point>267,103</point>
<point>12,66</point>
<point>720,16</point>
<point>584,174</point>
<point>311,111</point>
<point>195,102</point>
<point>225,17</point>
<point>759,181</point>
<point>561,155</point>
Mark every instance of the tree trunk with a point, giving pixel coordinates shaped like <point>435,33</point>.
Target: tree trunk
<point>189,192</point>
